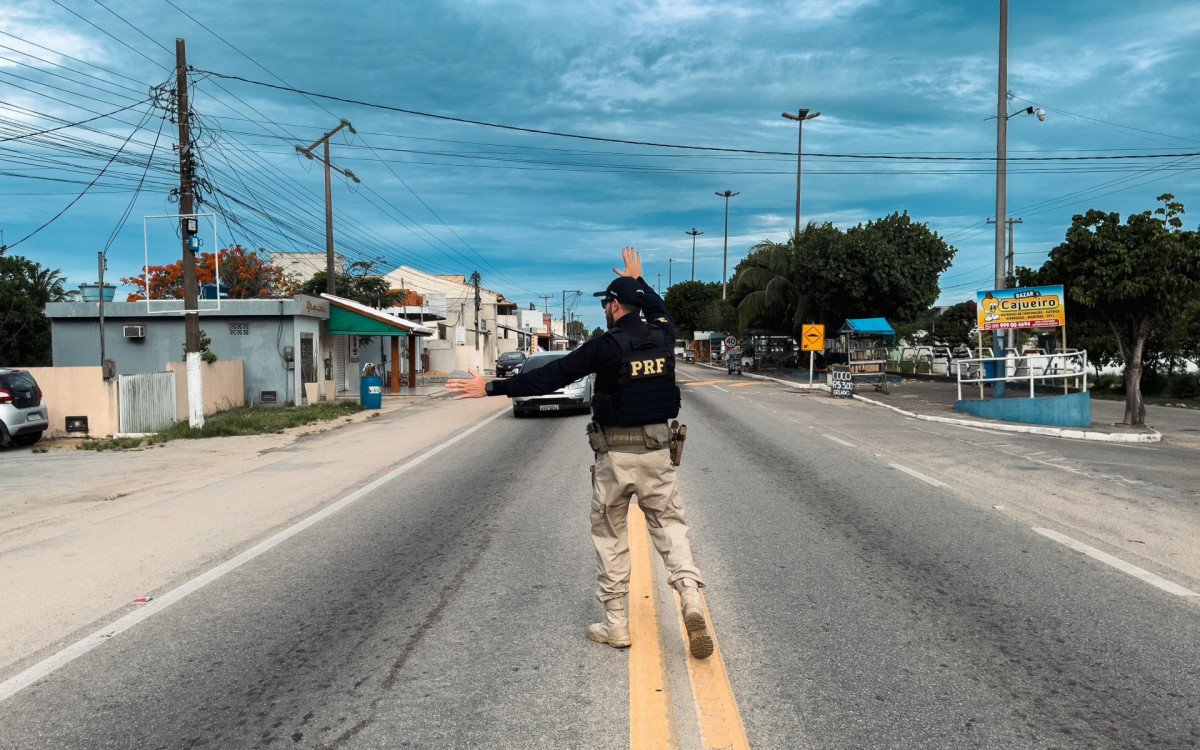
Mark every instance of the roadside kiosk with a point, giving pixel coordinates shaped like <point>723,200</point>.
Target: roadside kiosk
<point>865,342</point>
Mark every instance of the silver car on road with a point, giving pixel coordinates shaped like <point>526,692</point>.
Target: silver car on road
<point>574,397</point>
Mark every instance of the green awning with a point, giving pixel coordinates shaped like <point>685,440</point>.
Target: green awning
<point>350,318</point>
<point>348,323</point>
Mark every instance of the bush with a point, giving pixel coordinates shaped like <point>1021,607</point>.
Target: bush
<point>1184,385</point>
<point>1109,382</point>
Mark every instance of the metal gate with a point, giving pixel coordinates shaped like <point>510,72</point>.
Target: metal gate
<point>147,401</point>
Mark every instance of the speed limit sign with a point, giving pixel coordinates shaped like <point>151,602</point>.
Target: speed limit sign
<point>731,341</point>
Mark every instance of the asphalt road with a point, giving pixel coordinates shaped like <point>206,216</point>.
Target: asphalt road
<point>874,583</point>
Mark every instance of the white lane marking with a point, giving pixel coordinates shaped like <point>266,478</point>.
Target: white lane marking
<point>719,388</point>
<point>14,684</point>
<point>918,475</point>
<point>838,440</point>
<point>1118,563</point>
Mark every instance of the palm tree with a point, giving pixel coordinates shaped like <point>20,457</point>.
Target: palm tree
<point>772,275</point>
<point>47,283</point>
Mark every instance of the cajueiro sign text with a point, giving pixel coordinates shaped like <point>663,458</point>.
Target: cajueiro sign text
<point>1023,307</point>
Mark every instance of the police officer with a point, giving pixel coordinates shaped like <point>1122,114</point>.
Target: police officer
<point>635,396</point>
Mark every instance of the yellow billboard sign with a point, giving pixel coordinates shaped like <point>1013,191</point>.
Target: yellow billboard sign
<point>1023,307</point>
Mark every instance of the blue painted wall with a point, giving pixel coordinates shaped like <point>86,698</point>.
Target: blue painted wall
<point>1072,410</point>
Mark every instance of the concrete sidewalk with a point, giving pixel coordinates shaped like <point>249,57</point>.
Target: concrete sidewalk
<point>933,400</point>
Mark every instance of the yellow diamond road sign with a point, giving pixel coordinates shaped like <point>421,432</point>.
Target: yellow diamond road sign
<point>813,338</point>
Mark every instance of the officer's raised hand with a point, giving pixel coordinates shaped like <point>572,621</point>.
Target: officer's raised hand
<point>633,263</point>
<point>472,387</point>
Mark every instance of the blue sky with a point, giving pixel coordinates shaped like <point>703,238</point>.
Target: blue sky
<point>538,214</point>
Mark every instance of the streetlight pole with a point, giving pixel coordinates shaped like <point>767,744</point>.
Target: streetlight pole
<point>670,262</point>
<point>1002,118</point>
<point>694,233</point>
<point>799,117</point>
<point>725,253</point>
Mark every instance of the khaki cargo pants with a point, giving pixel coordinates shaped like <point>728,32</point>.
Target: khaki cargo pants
<point>619,474</point>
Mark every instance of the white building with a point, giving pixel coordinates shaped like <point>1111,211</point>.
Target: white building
<point>459,343</point>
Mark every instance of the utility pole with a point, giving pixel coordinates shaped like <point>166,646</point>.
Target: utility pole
<point>330,287</point>
<point>694,233</point>
<point>574,293</point>
<point>546,301</point>
<point>725,254</point>
<point>1010,274</point>
<point>188,233</point>
<point>670,263</point>
<point>478,307</point>
<point>103,263</point>
<point>1001,182</point>
<point>799,117</point>
<point>191,290</point>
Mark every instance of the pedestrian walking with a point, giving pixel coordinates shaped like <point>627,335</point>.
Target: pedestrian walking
<point>636,445</point>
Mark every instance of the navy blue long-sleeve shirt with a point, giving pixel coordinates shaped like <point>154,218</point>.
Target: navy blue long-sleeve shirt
<point>600,356</point>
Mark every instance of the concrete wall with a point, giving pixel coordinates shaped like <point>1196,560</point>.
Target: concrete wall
<point>222,382</point>
<point>1073,410</point>
<point>78,392</point>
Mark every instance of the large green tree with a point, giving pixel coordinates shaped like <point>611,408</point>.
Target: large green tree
<point>687,303</point>
<point>372,291</point>
<point>1134,278</point>
<point>25,289</point>
<point>885,268</point>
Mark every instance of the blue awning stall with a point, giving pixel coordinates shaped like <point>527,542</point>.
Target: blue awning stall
<point>866,346</point>
<point>868,327</point>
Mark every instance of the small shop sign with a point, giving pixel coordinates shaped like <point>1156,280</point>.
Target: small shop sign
<point>841,383</point>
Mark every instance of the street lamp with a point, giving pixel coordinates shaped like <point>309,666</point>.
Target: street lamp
<point>799,117</point>
<point>725,253</point>
<point>694,233</point>
<point>1002,118</point>
<point>670,261</point>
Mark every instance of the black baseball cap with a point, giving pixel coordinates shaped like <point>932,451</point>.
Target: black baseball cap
<point>626,290</point>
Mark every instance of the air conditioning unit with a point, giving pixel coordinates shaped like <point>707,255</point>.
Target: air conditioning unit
<point>135,332</point>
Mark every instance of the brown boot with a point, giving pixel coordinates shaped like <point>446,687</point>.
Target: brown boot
<point>700,643</point>
<point>614,631</point>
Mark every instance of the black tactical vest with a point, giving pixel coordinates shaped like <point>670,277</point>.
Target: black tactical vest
<point>645,392</point>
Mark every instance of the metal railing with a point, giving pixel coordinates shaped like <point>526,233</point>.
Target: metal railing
<point>1064,366</point>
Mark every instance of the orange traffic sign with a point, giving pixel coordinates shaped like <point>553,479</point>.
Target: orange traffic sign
<point>812,339</point>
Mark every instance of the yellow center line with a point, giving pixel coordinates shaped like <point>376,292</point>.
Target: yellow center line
<point>720,720</point>
<point>703,382</point>
<point>651,717</point>
<point>650,724</point>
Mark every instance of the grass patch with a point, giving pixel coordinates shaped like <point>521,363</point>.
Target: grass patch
<point>1187,403</point>
<point>249,420</point>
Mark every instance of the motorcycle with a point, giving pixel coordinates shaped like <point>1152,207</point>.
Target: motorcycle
<point>735,364</point>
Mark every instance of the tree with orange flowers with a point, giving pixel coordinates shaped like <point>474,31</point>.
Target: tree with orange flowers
<point>245,274</point>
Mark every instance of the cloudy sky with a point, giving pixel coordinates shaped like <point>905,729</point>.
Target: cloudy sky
<point>537,214</point>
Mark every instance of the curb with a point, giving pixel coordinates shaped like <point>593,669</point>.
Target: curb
<point>1154,436</point>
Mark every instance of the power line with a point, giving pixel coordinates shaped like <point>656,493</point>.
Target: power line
<point>85,190</point>
<point>73,124</point>
<point>558,134</point>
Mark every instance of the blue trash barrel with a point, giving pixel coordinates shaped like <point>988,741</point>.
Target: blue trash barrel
<point>370,391</point>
